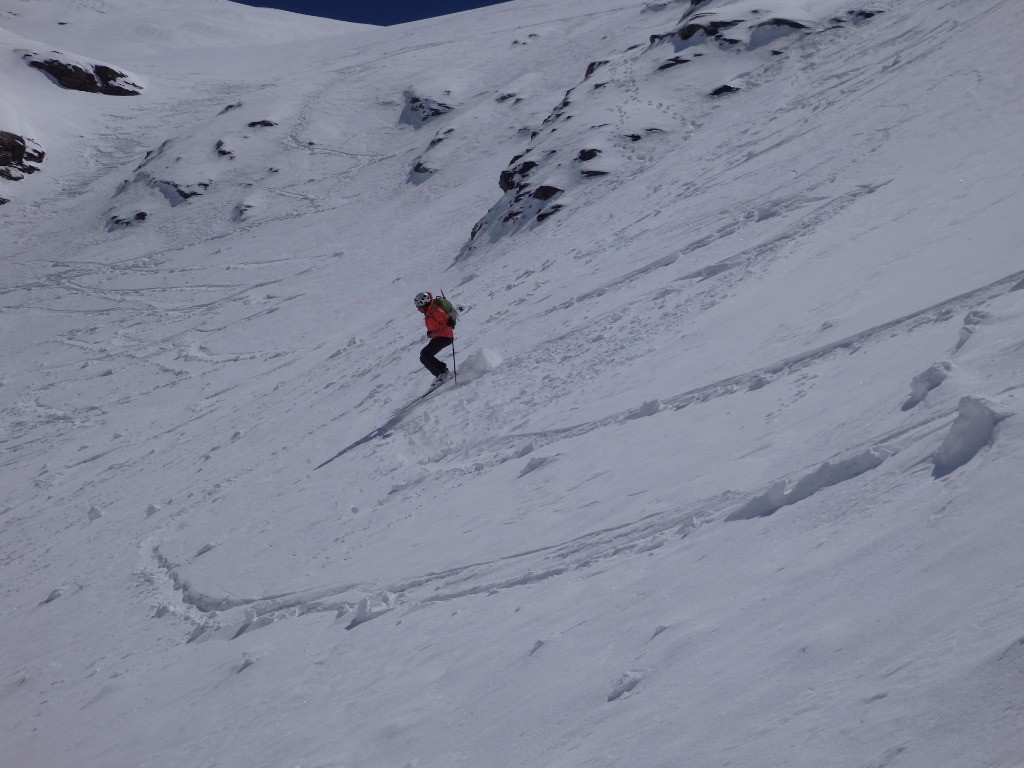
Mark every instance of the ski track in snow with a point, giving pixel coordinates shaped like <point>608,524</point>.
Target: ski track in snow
<point>636,537</point>
<point>589,550</point>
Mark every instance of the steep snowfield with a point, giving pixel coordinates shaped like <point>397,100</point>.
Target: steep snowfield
<point>731,475</point>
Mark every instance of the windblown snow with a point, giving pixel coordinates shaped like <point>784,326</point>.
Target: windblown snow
<point>731,475</point>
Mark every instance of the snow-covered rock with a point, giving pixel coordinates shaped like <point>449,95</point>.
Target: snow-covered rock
<point>422,109</point>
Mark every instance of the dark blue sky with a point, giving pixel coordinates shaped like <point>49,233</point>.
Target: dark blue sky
<point>373,11</point>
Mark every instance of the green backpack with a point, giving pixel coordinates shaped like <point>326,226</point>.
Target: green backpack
<point>449,309</point>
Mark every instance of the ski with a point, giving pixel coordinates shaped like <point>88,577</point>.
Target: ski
<point>428,393</point>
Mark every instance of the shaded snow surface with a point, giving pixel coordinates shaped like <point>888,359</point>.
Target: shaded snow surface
<point>679,509</point>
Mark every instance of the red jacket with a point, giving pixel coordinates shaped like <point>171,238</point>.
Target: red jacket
<point>437,322</point>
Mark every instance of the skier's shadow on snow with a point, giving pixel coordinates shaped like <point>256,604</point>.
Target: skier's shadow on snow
<point>382,431</point>
<point>385,430</point>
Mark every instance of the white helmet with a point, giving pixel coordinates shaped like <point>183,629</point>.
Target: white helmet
<point>423,299</point>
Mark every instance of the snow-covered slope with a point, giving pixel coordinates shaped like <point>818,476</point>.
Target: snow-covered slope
<point>731,475</point>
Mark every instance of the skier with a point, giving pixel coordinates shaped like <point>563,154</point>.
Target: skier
<point>440,330</point>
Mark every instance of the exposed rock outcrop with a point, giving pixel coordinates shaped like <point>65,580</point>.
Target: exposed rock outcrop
<point>715,28</point>
<point>695,33</point>
<point>515,176</point>
<point>724,89</point>
<point>120,222</point>
<point>80,75</point>
<point>18,156</point>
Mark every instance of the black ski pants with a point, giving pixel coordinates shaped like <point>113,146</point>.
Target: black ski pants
<point>428,355</point>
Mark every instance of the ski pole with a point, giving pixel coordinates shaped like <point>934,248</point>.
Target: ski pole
<point>455,370</point>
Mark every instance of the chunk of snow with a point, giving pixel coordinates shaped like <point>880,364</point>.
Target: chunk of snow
<point>925,382</point>
<point>826,475</point>
<point>973,429</point>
